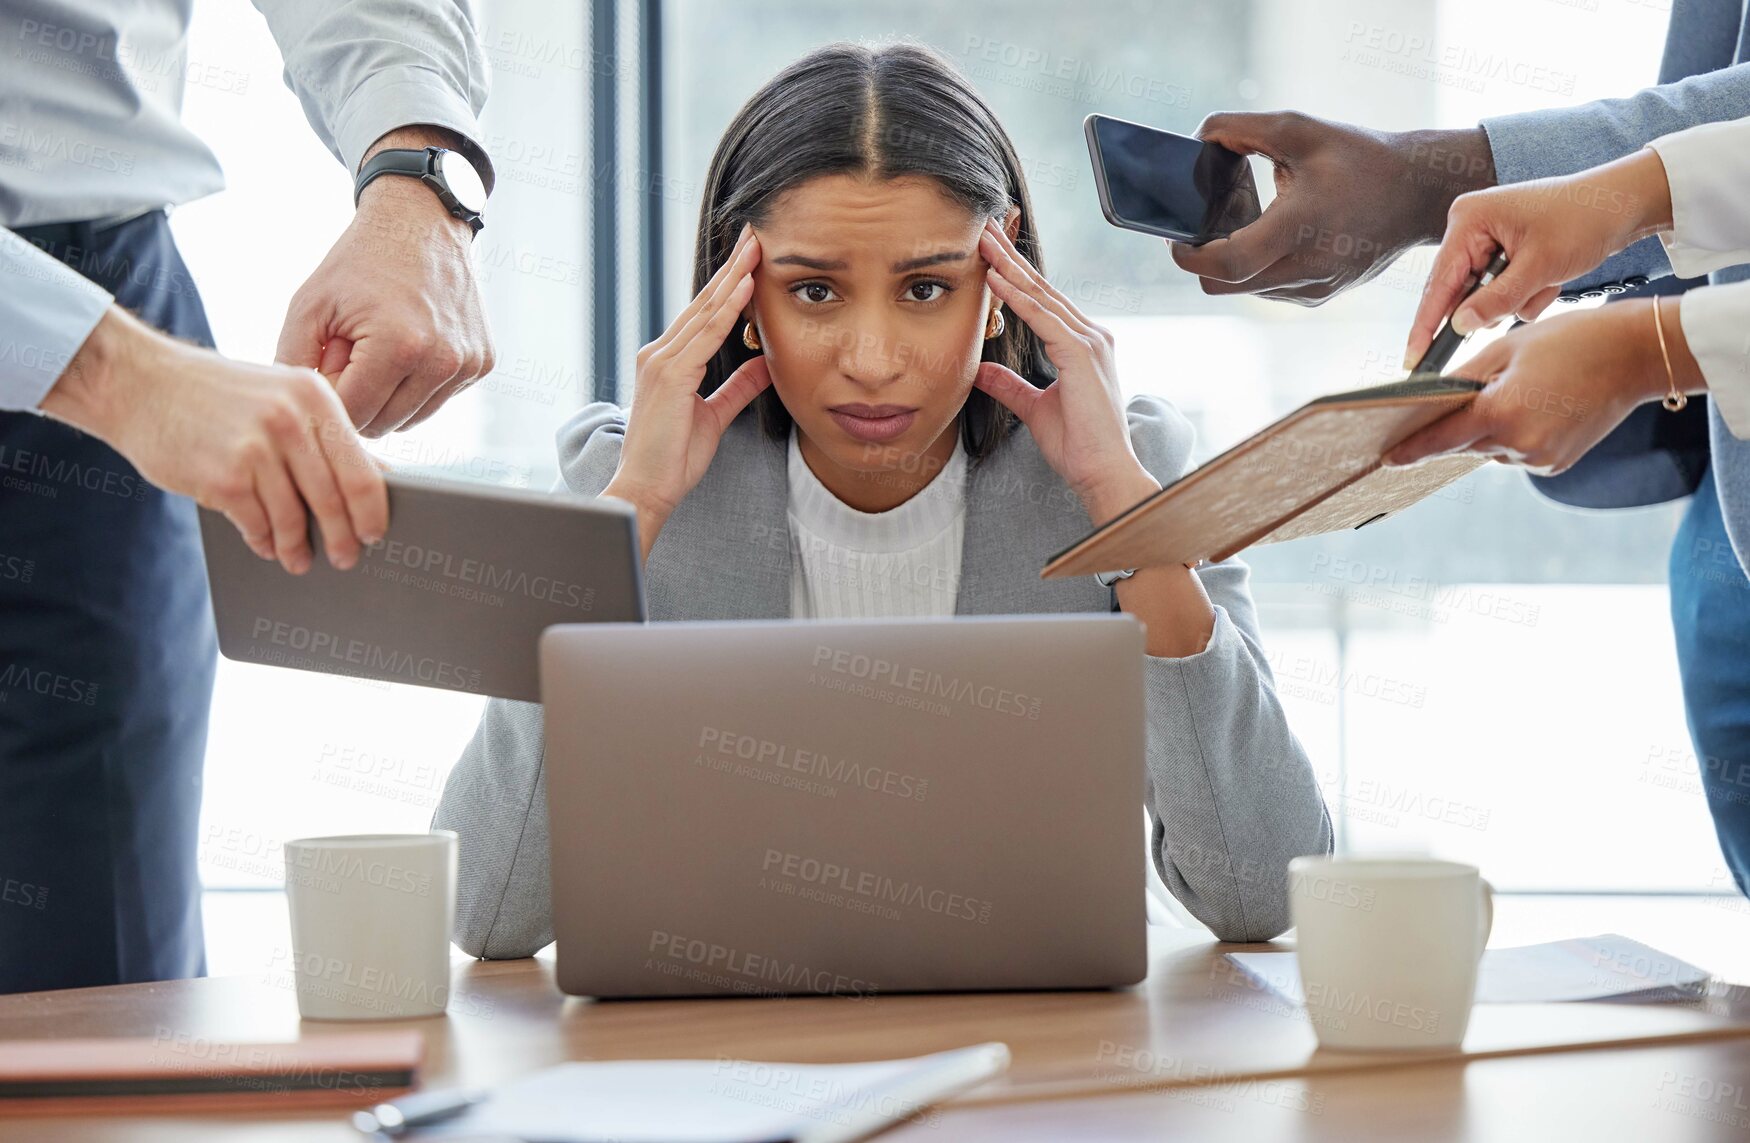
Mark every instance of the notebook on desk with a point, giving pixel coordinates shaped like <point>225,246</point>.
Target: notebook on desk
<point>174,1072</point>
<point>1316,470</point>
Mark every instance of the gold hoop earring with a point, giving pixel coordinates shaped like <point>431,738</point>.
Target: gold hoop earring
<point>750,337</point>
<point>994,327</point>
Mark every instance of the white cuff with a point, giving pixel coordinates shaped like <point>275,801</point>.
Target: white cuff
<point>1708,169</point>
<point>1716,324</point>
<point>46,313</point>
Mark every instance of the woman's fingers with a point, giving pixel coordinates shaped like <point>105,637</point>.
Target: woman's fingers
<point>738,392</point>
<point>1003,256</point>
<point>1463,255</point>
<point>1539,302</point>
<point>1453,433</point>
<point>703,297</point>
<point>1051,328</point>
<point>1505,296</point>
<point>712,328</point>
<point>716,313</point>
<point>1008,389</point>
<point>1472,428</point>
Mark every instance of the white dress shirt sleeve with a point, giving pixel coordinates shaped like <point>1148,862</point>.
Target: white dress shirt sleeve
<point>366,68</point>
<point>1716,323</point>
<point>1708,169</point>
<point>46,313</point>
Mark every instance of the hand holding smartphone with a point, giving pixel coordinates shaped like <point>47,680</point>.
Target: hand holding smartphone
<point>1168,185</point>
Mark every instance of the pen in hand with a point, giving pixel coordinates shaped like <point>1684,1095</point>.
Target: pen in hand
<point>1447,340</point>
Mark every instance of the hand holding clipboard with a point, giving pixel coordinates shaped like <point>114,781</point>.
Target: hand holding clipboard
<point>1317,470</point>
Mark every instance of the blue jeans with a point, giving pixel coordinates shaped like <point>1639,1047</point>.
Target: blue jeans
<point>107,655</point>
<point>1710,611</point>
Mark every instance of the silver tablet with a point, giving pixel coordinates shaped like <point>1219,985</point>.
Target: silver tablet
<point>455,596</point>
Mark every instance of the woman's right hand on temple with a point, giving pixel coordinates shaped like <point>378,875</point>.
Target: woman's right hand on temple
<point>671,432</point>
<point>1552,231</point>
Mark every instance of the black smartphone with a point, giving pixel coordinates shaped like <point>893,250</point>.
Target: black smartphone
<point>1169,185</point>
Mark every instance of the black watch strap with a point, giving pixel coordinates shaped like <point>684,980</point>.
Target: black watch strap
<point>422,165</point>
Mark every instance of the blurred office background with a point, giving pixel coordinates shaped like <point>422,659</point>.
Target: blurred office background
<point>1488,678</point>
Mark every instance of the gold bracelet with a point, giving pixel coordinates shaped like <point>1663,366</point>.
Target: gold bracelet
<point>1674,400</point>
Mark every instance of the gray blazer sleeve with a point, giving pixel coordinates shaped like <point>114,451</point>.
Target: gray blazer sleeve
<point>496,801</point>
<point>1563,140</point>
<point>496,797</point>
<point>1231,794</point>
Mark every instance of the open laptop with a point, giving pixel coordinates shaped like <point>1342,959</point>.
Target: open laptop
<point>849,808</point>
<point>455,596</point>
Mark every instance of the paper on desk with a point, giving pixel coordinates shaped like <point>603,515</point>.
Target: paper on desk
<point>1606,967</point>
<point>719,1101</point>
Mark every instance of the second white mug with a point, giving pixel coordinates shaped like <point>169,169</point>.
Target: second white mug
<point>1388,949</point>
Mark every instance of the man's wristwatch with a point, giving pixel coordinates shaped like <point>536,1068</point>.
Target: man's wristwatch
<point>448,173</point>
<point>1108,578</point>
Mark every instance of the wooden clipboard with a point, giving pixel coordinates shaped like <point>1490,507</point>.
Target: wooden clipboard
<point>1316,470</point>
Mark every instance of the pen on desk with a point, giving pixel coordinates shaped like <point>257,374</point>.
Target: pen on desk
<point>398,1115</point>
<point>1447,341</point>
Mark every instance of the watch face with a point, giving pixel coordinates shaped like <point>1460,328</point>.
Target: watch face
<point>464,181</point>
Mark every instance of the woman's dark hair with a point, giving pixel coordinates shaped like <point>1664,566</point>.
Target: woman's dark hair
<point>880,112</point>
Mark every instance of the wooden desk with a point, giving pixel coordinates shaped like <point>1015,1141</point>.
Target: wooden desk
<point>1194,1018</point>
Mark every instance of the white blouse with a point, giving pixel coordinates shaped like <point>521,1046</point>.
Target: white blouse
<point>904,562</point>
<point>1708,169</point>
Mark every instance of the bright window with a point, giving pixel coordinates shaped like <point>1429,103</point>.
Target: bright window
<point>1489,677</point>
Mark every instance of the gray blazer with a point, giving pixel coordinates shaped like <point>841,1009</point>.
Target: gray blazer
<point>1231,796</point>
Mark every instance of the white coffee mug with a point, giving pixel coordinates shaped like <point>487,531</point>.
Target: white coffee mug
<point>1388,949</point>
<point>371,920</point>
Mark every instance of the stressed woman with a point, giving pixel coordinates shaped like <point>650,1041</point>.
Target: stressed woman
<point>877,405</point>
